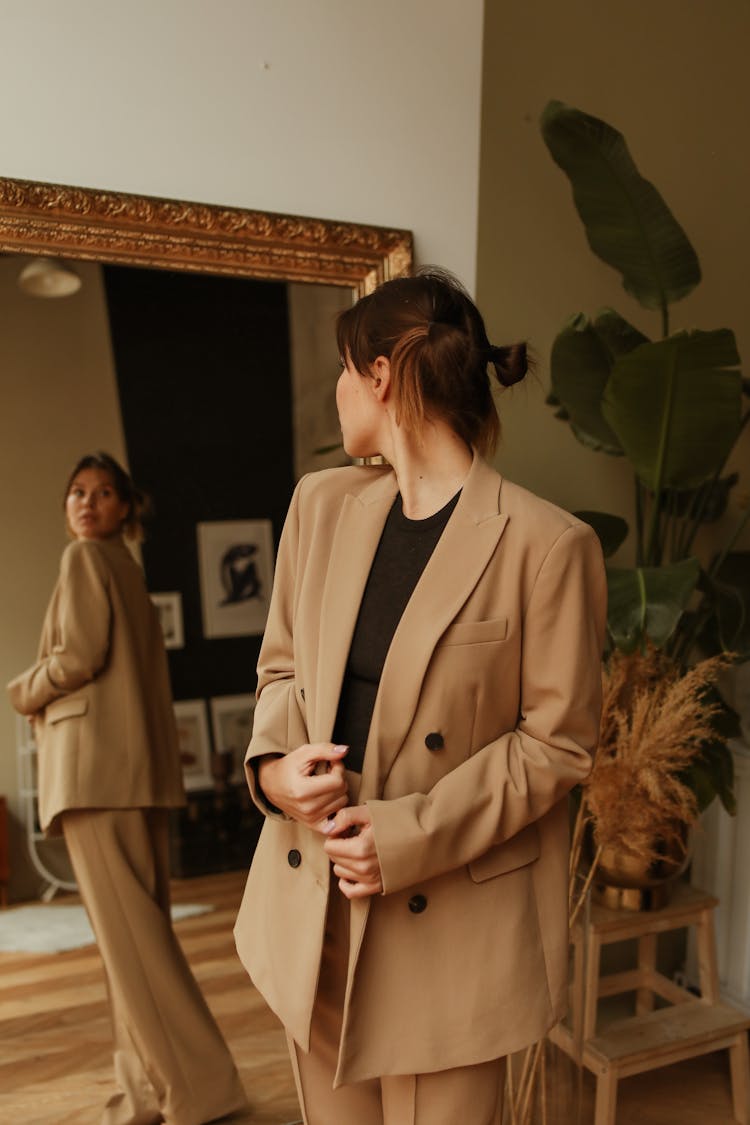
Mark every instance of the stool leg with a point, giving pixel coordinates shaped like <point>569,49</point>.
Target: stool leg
<point>644,1001</point>
<point>606,1098</point>
<point>578,996</point>
<point>593,955</point>
<point>740,1069</point>
<point>708,973</point>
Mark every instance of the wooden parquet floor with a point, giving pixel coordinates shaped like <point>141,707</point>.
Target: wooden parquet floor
<point>55,1040</point>
<point>55,1044</point>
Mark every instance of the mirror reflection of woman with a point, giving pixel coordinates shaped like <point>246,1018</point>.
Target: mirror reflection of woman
<point>109,770</point>
<point>428,694</point>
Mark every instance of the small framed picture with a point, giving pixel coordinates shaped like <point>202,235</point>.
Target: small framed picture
<point>232,725</point>
<point>169,608</point>
<point>195,748</point>
<point>236,572</point>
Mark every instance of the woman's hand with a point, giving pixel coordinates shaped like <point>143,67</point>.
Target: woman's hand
<point>351,849</point>
<point>308,784</point>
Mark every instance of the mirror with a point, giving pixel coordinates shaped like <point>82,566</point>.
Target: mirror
<point>104,236</point>
<point>105,226</point>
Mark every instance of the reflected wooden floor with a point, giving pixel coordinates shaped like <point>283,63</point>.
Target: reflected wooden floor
<point>55,1044</point>
<point>55,1041</point>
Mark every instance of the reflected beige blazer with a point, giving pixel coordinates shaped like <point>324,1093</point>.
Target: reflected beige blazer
<point>100,690</point>
<point>498,652</point>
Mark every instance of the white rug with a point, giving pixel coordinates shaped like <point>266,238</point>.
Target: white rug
<point>53,928</point>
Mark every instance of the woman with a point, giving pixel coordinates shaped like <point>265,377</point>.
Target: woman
<point>428,694</point>
<point>109,770</point>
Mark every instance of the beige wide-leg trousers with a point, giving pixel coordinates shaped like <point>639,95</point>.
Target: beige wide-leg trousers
<point>471,1094</point>
<point>170,1058</point>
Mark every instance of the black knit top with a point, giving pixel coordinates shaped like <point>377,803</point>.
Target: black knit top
<point>402,554</point>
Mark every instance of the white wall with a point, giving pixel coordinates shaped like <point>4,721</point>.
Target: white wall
<point>330,108</point>
<point>365,112</point>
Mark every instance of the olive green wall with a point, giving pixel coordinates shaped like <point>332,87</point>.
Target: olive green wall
<point>671,75</point>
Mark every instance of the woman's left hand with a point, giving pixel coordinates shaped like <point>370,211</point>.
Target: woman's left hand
<point>351,849</point>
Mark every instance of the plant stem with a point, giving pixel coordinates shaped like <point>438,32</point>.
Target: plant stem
<point>652,557</point>
<point>638,522</point>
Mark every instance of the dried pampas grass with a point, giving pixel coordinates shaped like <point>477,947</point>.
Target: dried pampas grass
<point>655,720</point>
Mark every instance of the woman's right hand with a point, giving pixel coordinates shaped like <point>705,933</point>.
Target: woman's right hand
<point>308,784</point>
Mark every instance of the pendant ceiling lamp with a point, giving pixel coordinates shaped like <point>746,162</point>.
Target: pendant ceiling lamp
<point>48,277</point>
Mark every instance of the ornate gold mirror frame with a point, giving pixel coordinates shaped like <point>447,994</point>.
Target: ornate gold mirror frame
<point>106,226</point>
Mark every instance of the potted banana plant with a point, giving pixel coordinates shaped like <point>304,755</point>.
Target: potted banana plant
<point>673,405</point>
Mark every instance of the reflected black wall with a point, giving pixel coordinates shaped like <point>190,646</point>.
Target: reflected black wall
<point>204,382</point>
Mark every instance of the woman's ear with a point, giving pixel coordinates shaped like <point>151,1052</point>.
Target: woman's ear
<point>381,377</point>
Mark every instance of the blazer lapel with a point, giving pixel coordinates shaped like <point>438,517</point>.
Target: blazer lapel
<point>355,541</point>
<point>459,559</point>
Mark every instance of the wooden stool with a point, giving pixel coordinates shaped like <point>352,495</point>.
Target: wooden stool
<point>651,1038</point>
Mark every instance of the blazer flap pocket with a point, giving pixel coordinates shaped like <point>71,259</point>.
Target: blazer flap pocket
<point>521,849</point>
<point>65,709</point>
<point>475,632</point>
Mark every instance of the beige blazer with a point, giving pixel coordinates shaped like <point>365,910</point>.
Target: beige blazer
<point>498,652</point>
<point>100,690</point>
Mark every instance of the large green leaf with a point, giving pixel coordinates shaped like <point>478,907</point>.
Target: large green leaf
<point>675,407</point>
<point>711,775</point>
<point>616,333</point>
<point>580,366</point>
<point>612,530</point>
<point>727,592</point>
<point>646,603</point>
<point>627,222</point>
<point>707,503</point>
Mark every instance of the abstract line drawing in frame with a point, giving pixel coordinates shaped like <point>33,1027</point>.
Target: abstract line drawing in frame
<point>231,726</point>
<point>169,607</point>
<point>236,574</point>
<point>194,744</point>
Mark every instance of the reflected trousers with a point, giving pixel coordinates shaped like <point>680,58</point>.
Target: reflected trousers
<point>171,1061</point>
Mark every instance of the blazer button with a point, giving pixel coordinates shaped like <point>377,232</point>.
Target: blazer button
<point>294,859</point>
<point>434,740</point>
<point>417,903</point>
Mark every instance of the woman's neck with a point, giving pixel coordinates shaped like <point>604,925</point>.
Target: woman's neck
<point>430,469</point>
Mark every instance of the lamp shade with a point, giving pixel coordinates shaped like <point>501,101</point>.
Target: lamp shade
<point>48,277</point>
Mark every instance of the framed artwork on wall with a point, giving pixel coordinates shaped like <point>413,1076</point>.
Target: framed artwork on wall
<point>232,725</point>
<point>195,747</point>
<point>169,607</point>
<point>236,573</point>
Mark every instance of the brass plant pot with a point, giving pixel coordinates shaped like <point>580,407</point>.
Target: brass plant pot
<point>624,881</point>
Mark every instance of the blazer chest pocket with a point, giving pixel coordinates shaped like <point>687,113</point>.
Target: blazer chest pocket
<point>475,632</point>
<point>65,709</point>
<point>520,850</point>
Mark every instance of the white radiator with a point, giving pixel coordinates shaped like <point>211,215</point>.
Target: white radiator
<point>721,865</point>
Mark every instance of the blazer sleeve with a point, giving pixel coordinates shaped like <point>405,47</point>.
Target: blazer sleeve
<point>276,669</point>
<point>520,776</point>
<point>81,633</point>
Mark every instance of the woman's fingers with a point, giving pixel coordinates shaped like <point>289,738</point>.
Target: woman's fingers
<point>291,782</point>
<point>351,848</point>
<point>359,889</point>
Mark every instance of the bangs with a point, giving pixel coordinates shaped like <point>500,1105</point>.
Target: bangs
<point>352,335</point>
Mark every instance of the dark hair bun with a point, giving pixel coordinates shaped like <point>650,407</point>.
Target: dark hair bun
<point>510,363</point>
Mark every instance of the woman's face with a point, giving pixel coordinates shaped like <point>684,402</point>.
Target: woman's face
<point>360,413</point>
<point>93,508</point>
